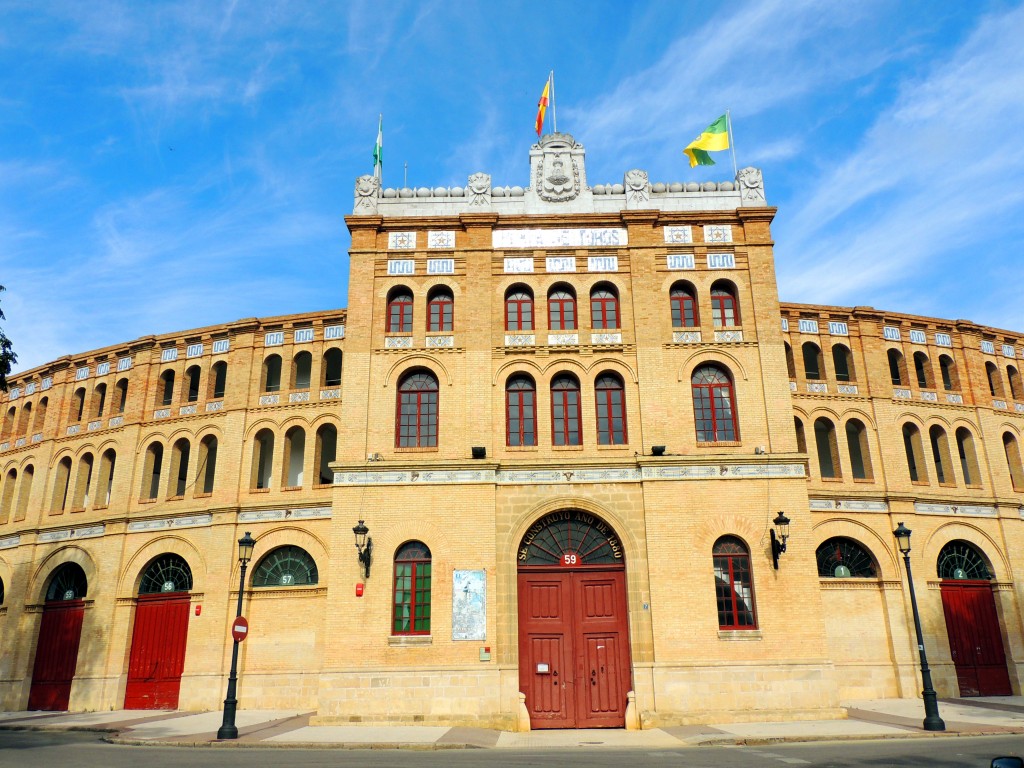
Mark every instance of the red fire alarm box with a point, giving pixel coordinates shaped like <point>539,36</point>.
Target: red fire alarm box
<point>359,590</point>
<point>199,609</point>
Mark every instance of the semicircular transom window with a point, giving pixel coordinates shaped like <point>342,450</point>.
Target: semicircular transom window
<point>841,558</point>
<point>168,573</point>
<point>570,538</point>
<point>960,560</point>
<point>288,566</point>
<point>69,583</point>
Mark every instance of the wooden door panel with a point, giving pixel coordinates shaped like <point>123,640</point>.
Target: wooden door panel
<point>604,699</point>
<point>158,652</point>
<point>60,633</point>
<point>602,634</point>
<point>975,641</point>
<point>545,638</point>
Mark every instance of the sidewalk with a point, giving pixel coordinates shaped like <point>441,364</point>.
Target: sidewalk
<point>875,719</point>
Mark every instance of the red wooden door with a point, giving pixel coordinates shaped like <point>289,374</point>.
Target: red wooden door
<point>158,651</point>
<point>974,638</point>
<point>56,655</point>
<point>574,664</point>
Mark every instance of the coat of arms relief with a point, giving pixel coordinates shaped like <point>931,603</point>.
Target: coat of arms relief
<point>558,177</point>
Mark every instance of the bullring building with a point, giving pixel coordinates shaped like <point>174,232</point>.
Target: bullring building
<point>569,421</point>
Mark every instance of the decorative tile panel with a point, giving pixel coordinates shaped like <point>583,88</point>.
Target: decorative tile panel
<point>676,235</point>
<point>188,410</point>
<point>722,471</point>
<point>725,337</point>
<point>918,336</point>
<point>117,421</point>
<point>330,394</point>
<point>298,397</point>
<point>102,369</point>
<point>891,332</point>
<point>718,233</point>
<point>37,437</point>
<point>563,339</point>
<point>399,267</point>
<point>806,325</point>
<point>444,238</point>
<point>302,335</point>
<point>440,266</point>
<point>189,521</point>
<point>988,347</point>
<point>163,413</point>
<point>956,399</point>
<point>30,388</point>
<point>679,261</point>
<point>853,505</point>
<point>1009,351</point>
<point>15,393</point>
<point>559,264</point>
<point>785,324</point>
<point>440,342</point>
<point>334,332</point>
<point>401,241</point>
<point>901,394</point>
<point>89,532</point>
<point>603,264</point>
<point>931,397</point>
<point>74,429</point>
<point>837,328</point>
<point>94,425</point>
<point>686,337</point>
<point>124,363</point>
<point>10,541</point>
<point>847,389</point>
<point>82,373</point>
<point>398,342</point>
<point>273,339</point>
<point>220,346</point>
<point>792,386</point>
<point>592,237</point>
<point>46,383</point>
<point>193,350</point>
<point>817,387</point>
<point>520,339</point>
<point>1018,407</point>
<point>20,442</point>
<point>518,266</point>
<point>217,406</point>
<point>169,355</point>
<point>943,340</point>
<point>967,510</point>
<point>270,399</point>
<point>5,445</point>
<point>999,404</point>
<point>606,338</point>
<point>721,261</point>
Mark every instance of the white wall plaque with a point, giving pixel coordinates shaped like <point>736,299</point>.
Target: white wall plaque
<point>441,239</point>
<point>220,346</point>
<point>559,238</point>
<point>943,340</point>
<point>718,233</point>
<point>918,336</point>
<point>603,264</point>
<point>561,264</point>
<point>169,355</point>
<point>194,350</point>
<point>302,335</point>
<point>334,332</point>
<point>518,266</point>
<point>102,369</point>
<point>679,234</point>
<point>891,332</point>
<point>676,261</point>
<point>124,363</point>
<point>1008,350</point>
<point>273,339</point>
<point>15,393</point>
<point>440,266</point>
<point>30,388</point>
<point>808,326</point>
<point>721,261</point>
<point>401,241</point>
<point>988,347</point>
<point>401,267</point>
<point>837,328</point>
<point>82,373</point>
<point>46,383</point>
<point>469,605</point>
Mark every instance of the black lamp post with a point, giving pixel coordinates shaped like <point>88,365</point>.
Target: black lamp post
<point>227,728</point>
<point>932,721</point>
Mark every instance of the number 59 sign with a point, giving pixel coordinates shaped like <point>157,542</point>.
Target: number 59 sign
<point>570,559</point>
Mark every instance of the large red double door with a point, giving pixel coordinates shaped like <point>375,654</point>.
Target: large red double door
<point>158,651</point>
<point>574,661</point>
<point>975,642</point>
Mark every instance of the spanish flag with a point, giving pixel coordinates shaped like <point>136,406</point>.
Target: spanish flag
<point>715,138</point>
<point>542,106</point>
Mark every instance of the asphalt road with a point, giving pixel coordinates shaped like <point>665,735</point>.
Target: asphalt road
<point>35,749</point>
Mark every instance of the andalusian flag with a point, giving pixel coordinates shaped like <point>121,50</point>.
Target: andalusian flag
<point>715,138</point>
<point>542,105</point>
<point>378,149</point>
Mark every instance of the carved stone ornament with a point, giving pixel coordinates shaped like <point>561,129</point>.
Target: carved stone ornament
<point>367,192</point>
<point>559,177</point>
<point>751,186</point>
<point>479,189</point>
<point>638,188</point>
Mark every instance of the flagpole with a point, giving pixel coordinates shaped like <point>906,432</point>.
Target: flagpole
<point>732,143</point>
<point>554,111</point>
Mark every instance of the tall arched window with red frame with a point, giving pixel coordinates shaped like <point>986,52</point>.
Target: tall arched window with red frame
<point>604,307</point>
<point>416,418</point>
<point>520,411</point>
<point>399,311</point>
<point>440,308</point>
<point>610,397</point>
<point>561,310</point>
<point>724,307</point>
<point>683,300</point>
<point>565,410</point>
<point>714,409</point>
<point>518,309</point>
<point>734,585</point>
<point>410,613</point>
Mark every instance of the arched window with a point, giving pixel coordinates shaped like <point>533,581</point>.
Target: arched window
<point>440,308</point>
<point>207,470</point>
<point>842,363</point>
<point>167,573</point>
<point>99,400</point>
<point>12,412</point>
<point>790,363</point>
<point>24,493</point>
<point>272,373</point>
<point>962,561</point>
<point>948,369</point>
<point>940,455</point>
<point>152,470</point>
<point>26,419</point>
<point>897,369</point>
<point>923,370</point>
<point>828,450</point>
<point>411,604</point>
<point>725,309</point>
<point>813,362</point>
<point>995,381</point>
<point>604,307</point>
<point>561,309</point>
<point>610,397</point>
<point>1012,452</point>
<point>302,370</point>
<point>68,583</point>
<point>416,417</point>
<point>801,437</point>
<point>180,454</point>
<point>287,566</point>
<point>7,502</point>
<point>842,558</point>
<point>326,453</point>
<point>915,453</point>
<point>565,410</point>
<point>968,456</point>
<point>122,394</point>
<point>332,367</point>
<point>262,460</point>
<point>83,483</point>
<point>857,444</point>
<point>714,411</point>
<point>520,411</point>
<point>294,456</point>
<point>399,311</point>
<point>166,396</point>
<point>683,301</point>
<point>1015,388</point>
<point>77,408</point>
<point>39,422</point>
<point>193,376</point>
<point>519,309</point>
<point>734,586</point>
<point>61,482</point>
<point>106,477</point>
<point>220,380</point>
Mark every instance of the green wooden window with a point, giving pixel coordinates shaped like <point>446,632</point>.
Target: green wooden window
<point>411,607</point>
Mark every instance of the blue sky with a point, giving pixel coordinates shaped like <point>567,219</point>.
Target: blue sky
<point>165,166</point>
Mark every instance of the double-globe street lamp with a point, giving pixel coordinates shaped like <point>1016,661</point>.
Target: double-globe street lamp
<point>932,721</point>
<point>227,728</point>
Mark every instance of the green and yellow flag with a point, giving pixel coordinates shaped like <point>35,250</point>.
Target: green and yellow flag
<point>715,138</point>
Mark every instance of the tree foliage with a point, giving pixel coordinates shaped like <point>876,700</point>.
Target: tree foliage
<point>7,356</point>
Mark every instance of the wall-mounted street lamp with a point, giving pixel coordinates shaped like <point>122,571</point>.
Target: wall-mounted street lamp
<point>227,728</point>
<point>781,523</point>
<point>932,721</point>
<point>364,546</point>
